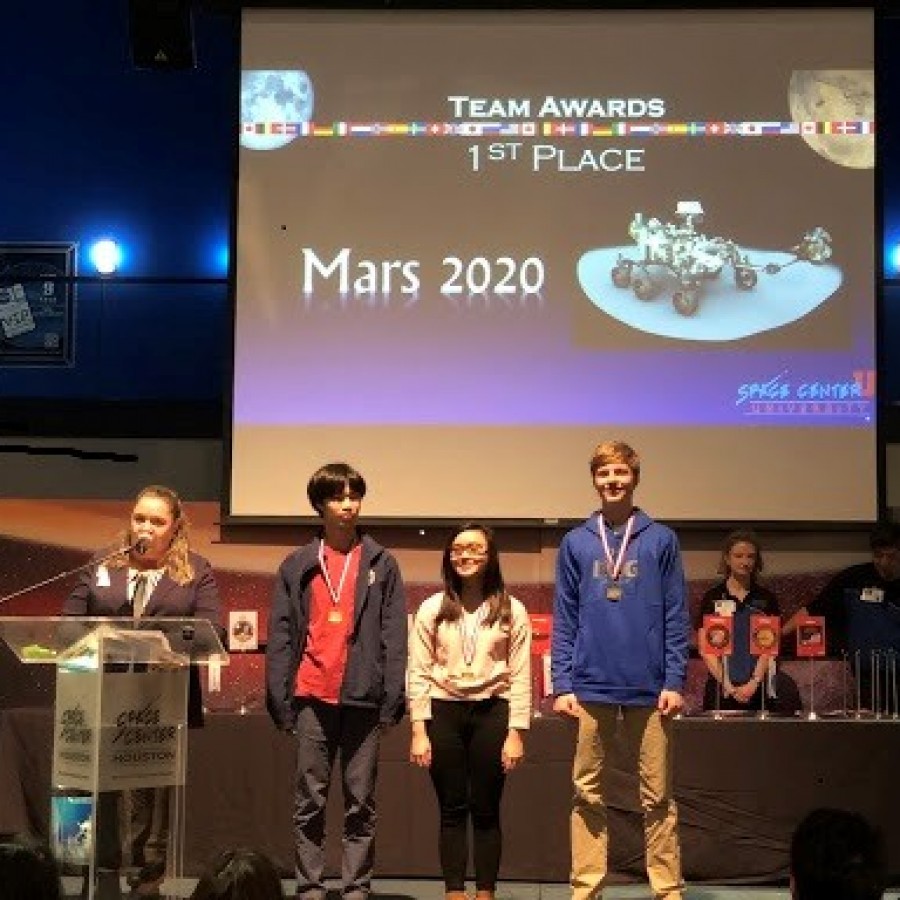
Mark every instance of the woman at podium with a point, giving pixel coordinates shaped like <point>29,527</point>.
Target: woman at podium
<point>156,575</point>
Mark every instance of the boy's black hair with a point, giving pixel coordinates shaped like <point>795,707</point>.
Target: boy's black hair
<point>329,483</point>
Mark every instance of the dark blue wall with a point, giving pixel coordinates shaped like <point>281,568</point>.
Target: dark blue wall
<point>92,146</point>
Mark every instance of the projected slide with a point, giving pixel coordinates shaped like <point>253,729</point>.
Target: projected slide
<point>501,237</point>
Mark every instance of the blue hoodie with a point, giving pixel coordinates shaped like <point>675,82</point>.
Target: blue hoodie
<point>623,651</point>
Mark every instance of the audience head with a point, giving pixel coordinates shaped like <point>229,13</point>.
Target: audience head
<point>741,555</point>
<point>885,543</point>
<point>331,482</point>
<point>28,870</point>
<point>837,854</point>
<point>240,875</point>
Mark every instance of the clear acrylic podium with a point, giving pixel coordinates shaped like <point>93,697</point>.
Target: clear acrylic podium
<point>119,729</point>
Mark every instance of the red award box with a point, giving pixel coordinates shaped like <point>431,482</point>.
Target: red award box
<point>716,636</point>
<point>765,635</point>
<point>541,631</point>
<point>811,636</point>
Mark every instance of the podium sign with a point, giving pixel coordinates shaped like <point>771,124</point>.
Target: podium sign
<point>118,729</point>
<point>121,705</point>
<point>120,725</point>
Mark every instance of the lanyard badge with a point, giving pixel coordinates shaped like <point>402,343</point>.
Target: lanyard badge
<point>335,616</point>
<point>614,566</point>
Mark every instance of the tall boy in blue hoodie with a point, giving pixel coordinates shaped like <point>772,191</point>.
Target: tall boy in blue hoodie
<point>620,644</point>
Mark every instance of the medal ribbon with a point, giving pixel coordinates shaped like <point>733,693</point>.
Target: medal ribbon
<point>614,568</point>
<point>335,594</point>
<point>469,636</point>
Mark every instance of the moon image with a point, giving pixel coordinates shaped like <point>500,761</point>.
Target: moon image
<point>268,96</point>
<point>836,95</point>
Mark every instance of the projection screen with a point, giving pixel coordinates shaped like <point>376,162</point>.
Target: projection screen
<point>471,245</point>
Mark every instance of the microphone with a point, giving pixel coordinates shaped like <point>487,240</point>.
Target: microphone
<point>139,546</point>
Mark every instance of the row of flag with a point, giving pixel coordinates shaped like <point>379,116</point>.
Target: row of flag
<point>558,129</point>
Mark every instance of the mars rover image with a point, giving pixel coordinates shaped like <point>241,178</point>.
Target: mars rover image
<point>677,251</point>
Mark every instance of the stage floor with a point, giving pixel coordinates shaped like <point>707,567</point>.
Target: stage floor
<point>387,889</point>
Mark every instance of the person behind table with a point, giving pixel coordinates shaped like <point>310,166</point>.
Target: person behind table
<point>470,699</point>
<point>837,855</point>
<point>861,606</point>
<point>335,674</point>
<point>739,680</point>
<point>619,649</point>
<point>240,874</point>
<point>156,575</point>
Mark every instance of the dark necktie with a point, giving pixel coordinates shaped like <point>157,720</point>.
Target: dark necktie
<point>139,595</point>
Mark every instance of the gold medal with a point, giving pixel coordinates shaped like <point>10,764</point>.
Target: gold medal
<point>335,616</point>
<point>613,592</point>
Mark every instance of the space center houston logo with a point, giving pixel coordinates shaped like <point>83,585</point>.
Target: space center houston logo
<point>74,735</point>
<point>126,732</point>
<point>140,736</point>
<point>785,395</point>
<point>141,740</point>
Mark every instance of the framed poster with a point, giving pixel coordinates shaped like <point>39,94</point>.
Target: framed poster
<point>243,630</point>
<point>36,303</point>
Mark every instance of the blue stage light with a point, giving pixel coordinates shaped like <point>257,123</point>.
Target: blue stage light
<point>106,256</point>
<point>222,258</point>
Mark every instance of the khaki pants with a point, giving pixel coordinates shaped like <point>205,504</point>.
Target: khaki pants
<point>648,735</point>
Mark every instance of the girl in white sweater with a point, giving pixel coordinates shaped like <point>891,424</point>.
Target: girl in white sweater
<point>470,699</point>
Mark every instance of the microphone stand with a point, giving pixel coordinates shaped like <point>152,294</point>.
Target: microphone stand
<point>139,546</point>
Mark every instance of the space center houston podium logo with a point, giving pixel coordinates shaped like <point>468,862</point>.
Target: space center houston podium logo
<point>119,729</point>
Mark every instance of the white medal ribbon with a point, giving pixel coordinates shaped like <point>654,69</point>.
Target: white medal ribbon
<point>469,636</point>
<point>335,594</point>
<point>614,568</point>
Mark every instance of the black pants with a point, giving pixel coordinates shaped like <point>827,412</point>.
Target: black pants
<point>132,827</point>
<point>466,770</point>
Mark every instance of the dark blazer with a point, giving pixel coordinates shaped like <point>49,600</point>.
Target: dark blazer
<point>375,676</point>
<point>199,597</point>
